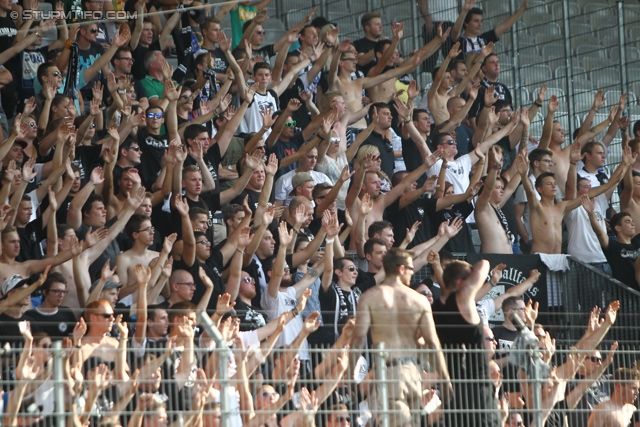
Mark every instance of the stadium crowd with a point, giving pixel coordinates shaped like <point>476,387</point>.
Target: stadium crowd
<point>242,182</point>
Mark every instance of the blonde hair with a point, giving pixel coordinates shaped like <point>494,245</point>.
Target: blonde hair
<point>370,149</point>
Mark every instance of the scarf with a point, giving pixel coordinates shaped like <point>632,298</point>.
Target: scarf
<point>342,311</point>
<point>504,223</point>
<point>71,86</point>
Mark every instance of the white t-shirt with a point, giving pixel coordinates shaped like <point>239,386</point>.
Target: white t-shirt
<point>601,200</point>
<point>284,185</point>
<point>457,172</point>
<point>486,308</point>
<point>583,242</point>
<point>252,121</point>
<point>274,307</point>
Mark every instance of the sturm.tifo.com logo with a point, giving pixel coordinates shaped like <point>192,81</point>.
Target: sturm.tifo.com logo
<point>91,15</point>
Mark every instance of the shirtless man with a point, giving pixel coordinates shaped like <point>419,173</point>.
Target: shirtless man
<point>442,88</point>
<point>546,215</point>
<point>394,313</point>
<point>386,53</point>
<point>553,137</point>
<point>99,319</point>
<point>617,411</point>
<point>494,231</point>
<point>344,63</point>
<point>141,231</point>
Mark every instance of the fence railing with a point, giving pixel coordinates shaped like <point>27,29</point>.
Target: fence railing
<point>380,388</point>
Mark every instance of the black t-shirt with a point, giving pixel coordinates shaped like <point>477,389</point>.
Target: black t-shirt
<point>386,151</point>
<point>8,32</point>
<point>250,318</point>
<point>139,53</point>
<point>212,159</point>
<point>57,325</point>
<point>411,155</point>
<point>283,149</point>
<point>622,258</point>
<point>266,52</point>
<point>87,158</point>
<point>30,237</point>
<point>331,313</point>
<point>364,45</point>
<point>500,88</point>
<point>462,241</point>
<point>254,199</point>
<point>209,201</point>
<point>421,210</point>
<point>212,268</point>
<point>302,116</point>
<point>505,338</point>
<point>153,148</point>
<point>10,331</point>
<point>220,63</point>
<point>365,280</point>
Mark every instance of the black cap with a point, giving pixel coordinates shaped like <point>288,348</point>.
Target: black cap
<point>321,21</point>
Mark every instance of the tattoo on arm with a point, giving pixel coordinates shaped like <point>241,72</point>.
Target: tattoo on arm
<point>313,273</point>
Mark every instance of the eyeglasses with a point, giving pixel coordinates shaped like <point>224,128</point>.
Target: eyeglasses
<point>350,268</point>
<point>261,147</point>
<point>144,230</point>
<point>93,30</point>
<point>547,161</point>
<point>106,315</point>
<point>595,359</point>
<point>341,419</point>
<point>58,291</point>
<point>290,124</point>
<point>33,124</point>
<point>336,140</point>
<point>450,142</point>
<point>56,74</point>
<point>189,284</point>
<point>126,59</point>
<point>135,148</point>
<point>490,338</point>
<point>154,115</point>
<point>355,60</point>
<point>248,279</point>
<point>260,32</point>
<point>203,242</point>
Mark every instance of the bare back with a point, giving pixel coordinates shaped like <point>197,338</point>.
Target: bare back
<point>396,315</point>
<point>608,414</point>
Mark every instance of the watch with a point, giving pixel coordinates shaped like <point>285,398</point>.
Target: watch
<point>230,168</point>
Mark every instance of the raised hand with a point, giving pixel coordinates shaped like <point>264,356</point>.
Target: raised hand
<point>574,154</point>
<point>271,168</point>
<point>542,93</point>
<point>490,96</point>
<point>587,203</point>
<point>611,312</point>
<point>167,245</point>
<point>397,30</point>
<point>598,100</point>
<point>142,275</point>
<point>93,237</point>
<point>366,204</point>
<point>286,236</point>
<point>122,327</point>
<point>181,205</point>
<point>411,232</point>
<point>553,104</point>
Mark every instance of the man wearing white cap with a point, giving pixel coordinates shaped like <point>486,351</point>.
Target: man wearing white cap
<point>288,182</point>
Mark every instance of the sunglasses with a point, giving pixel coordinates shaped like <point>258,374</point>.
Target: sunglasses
<point>189,284</point>
<point>47,345</point>
<point>56,73</point>
<point>203,242</point>
<point>290,124</point>
<point>134,148</point>
<point>126,59</point>
<point>58,291</point>
<point>595,359</point>
<point>425,293</point>
<point>33,124</point>
<point>490,338</point>
<point>248,279</point>
<point>341,419</point>
<point>336,140</point>
<point>94,30</point>
<point>93,125</point>
<point>351,268</point>
<point>106,315</point>
<point>260,32</point>
<point>450,142</point>
<point>154,115</point>
<point>377,157</point>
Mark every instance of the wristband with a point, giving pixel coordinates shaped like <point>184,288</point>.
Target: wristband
<point>67,44</point>
<point>295,311</point>
<point>94,184</point>
<point>240,251</point>
<point>537,104</point>
<point>574,163</point>
<point>329,240</point>
<point>488,106</point>
<point>493,285</point>
<point>24,180</point>
<point>407,121</point>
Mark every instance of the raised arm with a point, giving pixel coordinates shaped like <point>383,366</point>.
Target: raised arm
<point>456,31</point>
<point>508,23</point>
<point>589,206</point>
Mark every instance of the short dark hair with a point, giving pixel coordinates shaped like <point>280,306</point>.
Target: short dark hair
<point>378,106</point>
<point>617,219</point>
<point>541,178</point>
<point>510,302</point>
<point>43,69</point>
<point>88,205</point>
<point>194,212</point>
<point>368,245</point>
<point>377,227</point>
<point>260,66</point>
<point>192,131</point>
<point>417,112</point>
<point>119,52</point>
<point>473,11</point>
<point>437,140</point>
<point>134,224</point>
<point>230,211</point>
<point>52,278</point>
<point>455,270</point>
<point>537,155</point>
<point>394,259</point>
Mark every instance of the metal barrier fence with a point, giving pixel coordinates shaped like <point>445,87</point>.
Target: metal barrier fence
<point>381,388</point>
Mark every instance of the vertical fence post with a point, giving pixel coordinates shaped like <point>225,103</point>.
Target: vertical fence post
<point>517,96</point>
<point>58,384</point>
<point>569,64</point>
<point>623,50</point>
<point>381,374</point>
<point>537,390</point>
<point>223,354</point>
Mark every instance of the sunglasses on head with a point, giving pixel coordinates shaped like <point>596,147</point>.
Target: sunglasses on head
<point>154,115</point>
<point>290,124</point>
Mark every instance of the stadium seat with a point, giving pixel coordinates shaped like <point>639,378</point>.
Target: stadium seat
<point>613,96</point>
<point>632,53</point>
<point>590,62</point>
<point>553,49</point>
<point>344,21</point>
<point>547,27</point>
<point>595,51</point>
<point>606,21</point>
<point>598,9</point>
<point>536,125</point>
<point>531,19</point>
<point>557,10</point>
<point>580,30</point>
<point>273,24</point>
<point>561,71</point>
<point>583,101</point>
<point>543,38</point>
<point>605,77</point>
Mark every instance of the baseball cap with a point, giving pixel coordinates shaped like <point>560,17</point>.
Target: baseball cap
<point>299,178</point>
<point>321,21</point>
<point>231,313</point>
<point>110,284</point>
<point>11,283</point>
